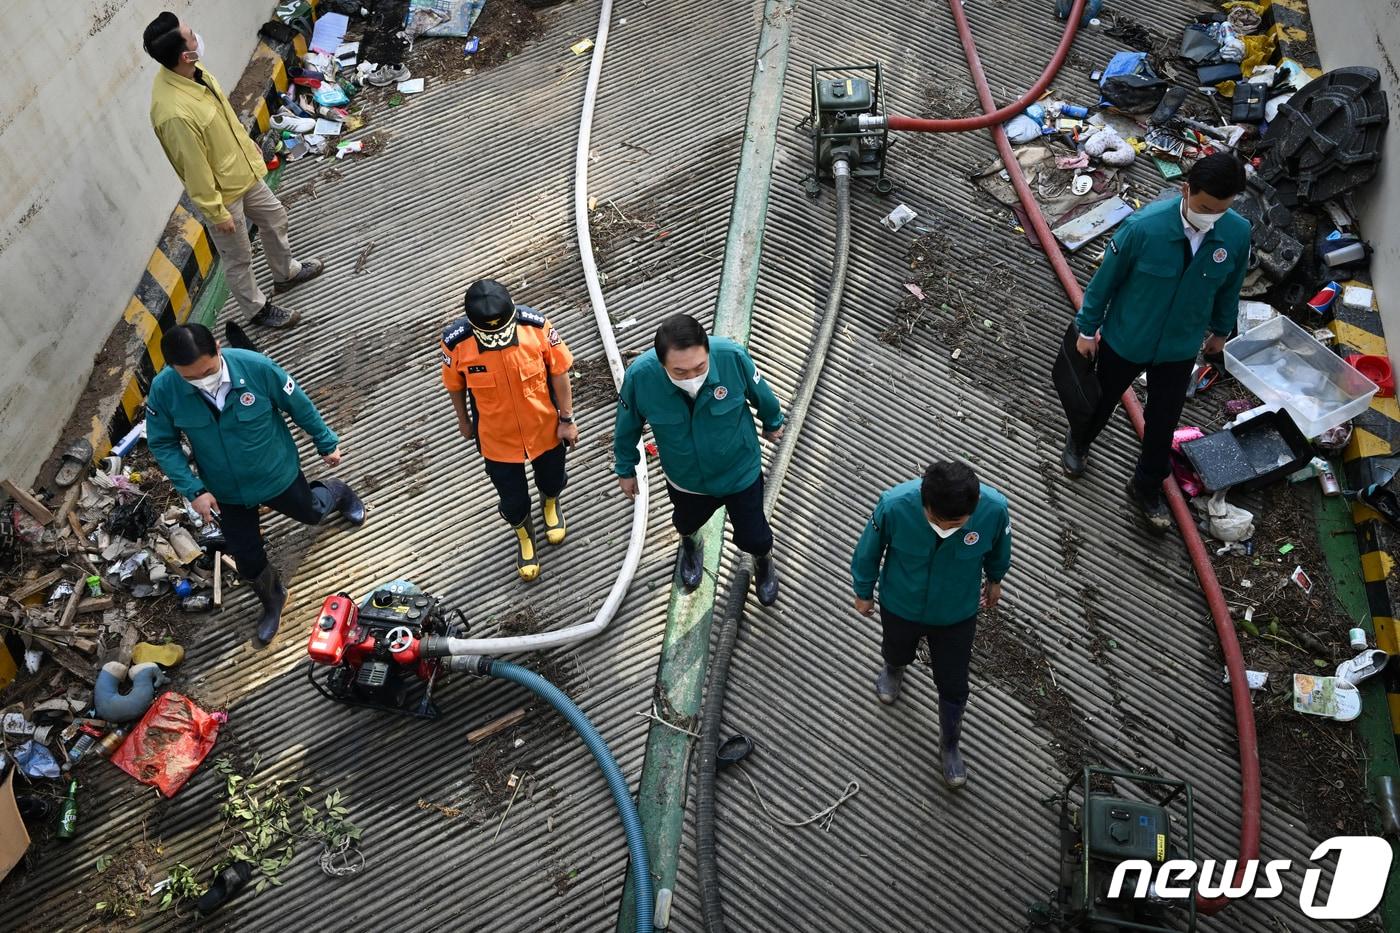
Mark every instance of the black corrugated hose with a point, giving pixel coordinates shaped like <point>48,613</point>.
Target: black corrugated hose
<point>711,900</point>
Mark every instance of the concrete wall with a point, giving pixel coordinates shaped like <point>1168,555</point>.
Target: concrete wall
<point>1367,32</point>
<point>85,190</point>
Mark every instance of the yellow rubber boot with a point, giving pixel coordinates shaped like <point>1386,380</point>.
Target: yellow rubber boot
<point>554,529</point>
<point>527,562</point>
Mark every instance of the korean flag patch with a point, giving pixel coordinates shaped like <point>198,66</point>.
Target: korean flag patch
<point>290,387</point>
<point>446,358</point>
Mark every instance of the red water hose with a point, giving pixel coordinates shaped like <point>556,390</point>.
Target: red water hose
<point>992,116</point>
<point>1200,558</point>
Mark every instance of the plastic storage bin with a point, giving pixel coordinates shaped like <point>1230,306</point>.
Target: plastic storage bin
<point>1256,453</point>
<point>1284,365</point>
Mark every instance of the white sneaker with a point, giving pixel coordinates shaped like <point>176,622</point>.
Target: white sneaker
<point>383,76</point>
<point>289,121</point>
<point>1367,664</point>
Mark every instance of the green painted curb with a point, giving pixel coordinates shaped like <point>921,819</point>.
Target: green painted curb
<point>685,647</point>
<point>1337,537</point>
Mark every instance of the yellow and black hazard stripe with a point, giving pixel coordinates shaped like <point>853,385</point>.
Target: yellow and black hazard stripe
<point>184,258</point>
<point>1290,25</point>
<point>1375,436</point>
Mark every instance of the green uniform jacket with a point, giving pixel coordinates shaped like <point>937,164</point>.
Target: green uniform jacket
<point>1153,299</point>
<point>925,578</point>
<point>710,446</point>
<point>245,453</point>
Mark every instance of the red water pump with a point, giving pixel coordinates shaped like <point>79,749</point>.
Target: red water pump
<point>374,654</point>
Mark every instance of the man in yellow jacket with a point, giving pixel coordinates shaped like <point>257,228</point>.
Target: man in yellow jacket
<point>221,169</point>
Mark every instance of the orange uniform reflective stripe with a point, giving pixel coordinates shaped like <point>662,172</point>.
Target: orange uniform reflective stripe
<point>508,390</point>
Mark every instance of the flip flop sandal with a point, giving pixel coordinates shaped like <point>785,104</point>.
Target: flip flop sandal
<point>225,885</point>
<point>76,460</point>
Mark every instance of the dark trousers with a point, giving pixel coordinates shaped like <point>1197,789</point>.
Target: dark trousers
<point>950,647</point>
<point>305,502</point>
<point>690,512</point>
<point>1166,396</point>
<point>509,479</point>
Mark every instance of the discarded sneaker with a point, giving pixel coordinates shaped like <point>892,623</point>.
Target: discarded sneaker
<point>1367,664</point>
<point>384,75</point>
<point>527,561</point>
<point>1074,458</point>
<point>555,530</point>
<point>275,316</point>
<point>291,122</point>
<point>310,268</point>
<point>225,885</point>
<point>888,683</point>
<point>1152,508</point>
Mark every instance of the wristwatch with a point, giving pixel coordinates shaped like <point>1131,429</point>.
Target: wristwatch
<point>566,419</point>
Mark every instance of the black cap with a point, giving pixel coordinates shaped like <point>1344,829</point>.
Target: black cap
<point>488,304</point>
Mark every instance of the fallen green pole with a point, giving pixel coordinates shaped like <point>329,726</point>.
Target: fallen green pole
<point>680,679</point>
<point>1337,536</point>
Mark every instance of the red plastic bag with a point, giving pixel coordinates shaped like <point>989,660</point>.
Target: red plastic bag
<point>168,745</point>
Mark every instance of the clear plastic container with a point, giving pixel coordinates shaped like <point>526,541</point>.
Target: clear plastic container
<point>1285,365</point>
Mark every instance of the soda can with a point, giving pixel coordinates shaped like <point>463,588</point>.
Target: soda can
<point>1358,639</point>
<point>1074,110</point>
<point>94,585</point>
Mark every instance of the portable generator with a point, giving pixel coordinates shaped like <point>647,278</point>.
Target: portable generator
<point>1101,826</point>
<point>847,103</point>
<point>375,654</point>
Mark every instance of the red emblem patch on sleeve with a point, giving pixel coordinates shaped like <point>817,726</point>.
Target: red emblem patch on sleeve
<point>554,338</point>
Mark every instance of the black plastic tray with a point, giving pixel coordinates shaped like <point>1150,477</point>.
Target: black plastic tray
<point>1254,454</point>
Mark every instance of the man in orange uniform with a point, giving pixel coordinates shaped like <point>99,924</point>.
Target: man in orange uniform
<point>506,370</point>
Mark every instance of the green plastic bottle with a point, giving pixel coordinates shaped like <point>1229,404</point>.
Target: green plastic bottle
<point>68,816</point>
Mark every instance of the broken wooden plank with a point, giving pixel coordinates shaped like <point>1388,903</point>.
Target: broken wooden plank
<point>95,604</point>
<point>496,726</point>
<point>73,662</point>
<point>36,586</point>
<point>77,527</point>
<point>70,499</point>
<point>70,610</point>
<point>219,579</point>
<point>27,501</point>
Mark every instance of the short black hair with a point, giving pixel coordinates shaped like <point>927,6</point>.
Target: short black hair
<point>950,489</point>
<point>679,332</point>
<point>185,343</point>
<point>1220,175</point>
<point>162,40</point>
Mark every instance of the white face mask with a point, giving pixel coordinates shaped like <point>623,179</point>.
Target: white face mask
<point>688,386</point>
<point>198,47</point>
<point>943,532</point>
<point>211,382</point>
<point>1202,222</point>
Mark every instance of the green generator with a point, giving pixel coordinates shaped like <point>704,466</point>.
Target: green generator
<point>1108,817</point>
<point>847,103</point>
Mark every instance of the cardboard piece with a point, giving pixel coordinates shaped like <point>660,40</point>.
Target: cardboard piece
<point>14,837</point>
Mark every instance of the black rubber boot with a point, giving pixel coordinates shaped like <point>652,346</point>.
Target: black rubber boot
<point>949,732</point>
<point>1151,507</point>
<point>692,562</point>
<point>765,579</point>
<point>1074,458</point>
<point>888,683</point>
<point>339,497</point>
<point>273,596</point>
